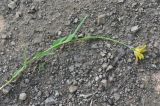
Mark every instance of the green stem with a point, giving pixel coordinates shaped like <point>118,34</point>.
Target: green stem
<point>104,38</point>
<point>79,26</point>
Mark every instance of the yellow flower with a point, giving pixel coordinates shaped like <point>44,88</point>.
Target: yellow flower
<point>139,52</point>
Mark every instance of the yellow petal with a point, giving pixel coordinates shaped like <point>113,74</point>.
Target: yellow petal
<point>141,49</point>
<point>138,52</point>
<point>140,56</point>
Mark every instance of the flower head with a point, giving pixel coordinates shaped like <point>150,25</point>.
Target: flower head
<point>139,52</point>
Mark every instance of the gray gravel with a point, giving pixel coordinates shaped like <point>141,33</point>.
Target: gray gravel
<point>100,73</point>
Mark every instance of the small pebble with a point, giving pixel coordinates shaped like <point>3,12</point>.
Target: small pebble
<point>100,69</point>
<point>141,86</point>
<point>75,20</point>
<point>57,94</point>
<point>96,78</point>
<point>13,43</point>
<point>80,35</point>
<point>104,82</point>
<point>108,45</point>
<point>120,1</point>
<point>109,67</point>
<point>129,60</point>
<point>116,96</point>
<point>3,36</point>
<point>101,19</point>
<point>134,29</point>
<point>73,88</point>
<point>92,30</point>
<point>60,105</point>
<point>32,10</point>
<point>59,33</point>
<point>85,95</point>
<point>71,68</point>
<point>156,44</point>
<point>50,101</point>
<point>12,5</point>
<point>6,90</point>
<point>109,55</point>
<point>26,81</point>
<point>103,53</point>
<point>18,14</point>
<point>100,76</point>
<point>22,96</point>
<point>39,93</point>
<point>111,78</point>
<point>2,53</point>
<point>104,65</point>
<point>68,23</point>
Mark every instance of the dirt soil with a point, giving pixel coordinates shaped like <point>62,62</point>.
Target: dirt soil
<point>95,73</point>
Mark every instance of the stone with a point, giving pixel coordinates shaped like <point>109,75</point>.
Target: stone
<point>109,55</point>
<point>57,94</point>
<point>104,65</point>
<point>6,90</point>
<point>85,95</point>
<point>134,29</point>
<point>104,82</point>
<point>141,86</point>
<point>12,5</point>
<point>108,45</point>
<point>22,96</point>
<point>2,53</point>
<point>156,44</point>
<point>120,18</point>
<point>67,23</point>
<point>100,76</point>
<point>26,81</point>
<point>111,78</point>
<point>50,101</point>
<point>73,88</point>
<point>39,93</point>
<point>18,14</point>
<point>13,43</point>
<point>71,68</point>
<point>109,67</point>
<point>120,1</point>
<point>94,46</point>
<point>75,20</point>
<point>59,33</point>
<point>92,30</point>
<point>60,105</point>
<point>4,36</point>
<point>100,69</point>
<point>101,19</point>
<point>103,53</point>
<point>74,82</point>
<point>96,78</point>
<point>134,4</point>
<point>129,60</point>
<point>32,10</point>
<point>116,96</point>
<point>80,35</point>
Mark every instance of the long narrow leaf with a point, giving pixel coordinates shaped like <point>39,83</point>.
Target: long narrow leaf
<point>58,42</point>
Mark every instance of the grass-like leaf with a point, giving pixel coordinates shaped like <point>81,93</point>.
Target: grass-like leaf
<point>56,45</point>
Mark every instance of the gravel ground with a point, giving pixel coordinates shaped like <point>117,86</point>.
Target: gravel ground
<point>97,73</point>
